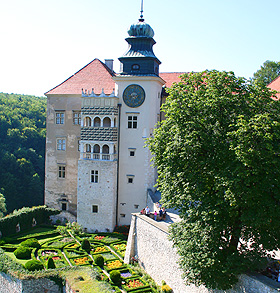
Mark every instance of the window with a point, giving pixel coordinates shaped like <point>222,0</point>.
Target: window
<point>95,209</point>
<point>87,122</point>
<point>60,144</point>
<point>130,178</point>
<point>106,122</point>
<point>77,117</point>
<point>79,145</point>
<point>63,206</point>
<point>61,171</point>
<point>122,215</point>
<point>94,176</point>
<point>132,153</point>
<point>135,67</point>
<point>136,206</point>
<point>132,122</point>
<point>59,117</point>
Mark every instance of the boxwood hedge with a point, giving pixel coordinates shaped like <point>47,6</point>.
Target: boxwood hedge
<point>24,217</point>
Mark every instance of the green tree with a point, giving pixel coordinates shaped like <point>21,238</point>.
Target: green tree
<point>22,149</point>
<point>267,73</point>
<point>218,158</point>
<point>2,205</point>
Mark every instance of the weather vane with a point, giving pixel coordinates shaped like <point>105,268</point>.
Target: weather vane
<point>141,15</point>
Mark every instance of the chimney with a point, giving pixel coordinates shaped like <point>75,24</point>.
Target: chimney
<point>109,63</point>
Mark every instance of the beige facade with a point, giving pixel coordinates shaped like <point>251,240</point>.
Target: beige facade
<point>61,167</point>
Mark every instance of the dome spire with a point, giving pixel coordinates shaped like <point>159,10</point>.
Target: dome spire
<point>141,12</point>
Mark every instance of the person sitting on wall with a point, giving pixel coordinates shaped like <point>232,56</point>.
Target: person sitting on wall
<point>147,210</point>
<point>155,215</point>
<point>158,205</point>
<point>163,213</point>
<point>143,212</point>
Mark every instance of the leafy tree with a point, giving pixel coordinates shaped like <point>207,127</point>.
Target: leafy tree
<point>268,72</point>
<point>2,205</point>
<point>22,149</point>
<point>218,158</point>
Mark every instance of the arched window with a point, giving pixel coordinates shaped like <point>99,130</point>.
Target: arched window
<point>88,148</point>
<point>96,149</point>
<point>97,122</point>
<point>87,121</point>
<point>96,152</point>
<point>106,122</point>
<point>105,152</point>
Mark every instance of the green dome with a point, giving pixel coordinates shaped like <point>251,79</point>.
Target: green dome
<point>141,29</point>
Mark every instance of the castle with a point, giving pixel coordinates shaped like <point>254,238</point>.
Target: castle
<point>98,169</point>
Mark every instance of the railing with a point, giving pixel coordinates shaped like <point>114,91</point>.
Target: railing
<point>98,157</point>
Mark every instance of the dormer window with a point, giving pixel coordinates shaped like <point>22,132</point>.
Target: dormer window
<point>135,67</point>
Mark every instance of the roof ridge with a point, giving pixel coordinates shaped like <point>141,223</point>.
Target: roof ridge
<point>111,72</point>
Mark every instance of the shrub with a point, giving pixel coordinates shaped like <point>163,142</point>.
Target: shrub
<point>50,263</point>
<point>166,289</point>
<point>86,245</point>
<point>115,277</point>
<point>99,260</point>
<point>32,242</point>
<point>62,230</point>
<point>34,265</point>
<point>23,252</point>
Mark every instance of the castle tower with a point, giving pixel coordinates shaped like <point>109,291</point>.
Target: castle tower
<point>139,90</point>
<point>97,166</point>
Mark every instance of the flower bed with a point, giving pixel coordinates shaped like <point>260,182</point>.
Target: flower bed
<point>71,253</point>
<point>72,245</point>
<point>109,256</point>
<point>134,284</point>
<point>56,255</point>
<point>119,246</point>
<point>99,237</point>
<point>80,261</point>
<point>59,242</point>
<point>127,273</point>
<point>114,265</point>
<point>99,249</point>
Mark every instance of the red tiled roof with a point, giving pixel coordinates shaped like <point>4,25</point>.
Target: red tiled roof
<point>170,77</point>
<point>94,75</point>
<point>275,85</point>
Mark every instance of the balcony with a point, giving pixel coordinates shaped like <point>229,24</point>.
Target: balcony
<point>98,157</point>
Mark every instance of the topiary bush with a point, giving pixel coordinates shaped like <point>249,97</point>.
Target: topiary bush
<point>50,263</point>
<point>86,245</point>
<point>23,252</point>
<point>99,260</point>
<point>115,277</point>
<point>32,242</point>
<point>34,265</point>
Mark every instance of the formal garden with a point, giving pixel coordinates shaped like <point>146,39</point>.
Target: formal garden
<point>90,262</point>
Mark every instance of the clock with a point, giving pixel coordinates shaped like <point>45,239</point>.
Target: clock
<point>134,96</point>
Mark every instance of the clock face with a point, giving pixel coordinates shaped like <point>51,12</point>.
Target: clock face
<point>134,95</point>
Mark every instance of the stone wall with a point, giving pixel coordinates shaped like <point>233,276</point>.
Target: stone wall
<point>9,284</point>
<point>148,240</point>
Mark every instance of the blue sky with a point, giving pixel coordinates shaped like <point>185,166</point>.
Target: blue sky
<point>45,42</point>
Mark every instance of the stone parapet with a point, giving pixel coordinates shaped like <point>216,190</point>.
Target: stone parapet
<point>148,240</point>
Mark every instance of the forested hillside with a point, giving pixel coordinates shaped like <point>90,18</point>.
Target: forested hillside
<point>22,149</point>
